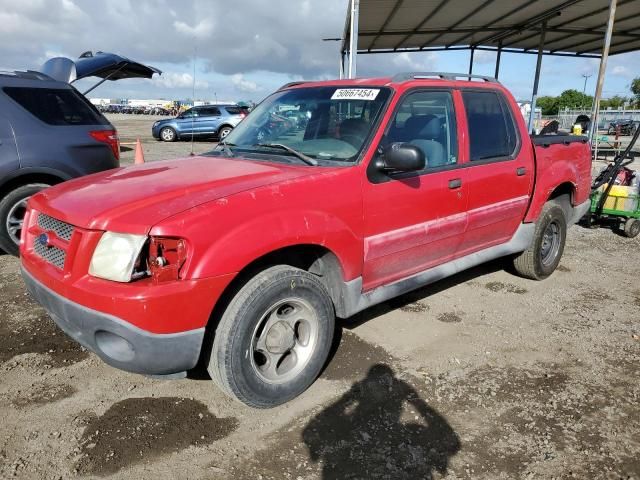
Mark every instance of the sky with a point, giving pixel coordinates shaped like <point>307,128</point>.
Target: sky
<point>246,49</point>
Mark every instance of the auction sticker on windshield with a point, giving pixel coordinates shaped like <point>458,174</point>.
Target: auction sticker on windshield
<point>355,94</point>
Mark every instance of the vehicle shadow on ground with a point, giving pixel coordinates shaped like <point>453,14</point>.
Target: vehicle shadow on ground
<point>380,428</point>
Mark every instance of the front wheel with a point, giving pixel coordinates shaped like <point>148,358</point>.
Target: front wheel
<point>168,134</point>
<point>12,210</point>
<point>274,337</point>
<point>543,256</point>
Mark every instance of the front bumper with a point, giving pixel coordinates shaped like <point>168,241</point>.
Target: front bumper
<point>116,341</point>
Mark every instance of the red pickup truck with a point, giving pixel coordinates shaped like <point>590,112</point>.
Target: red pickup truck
<point>242,258</point>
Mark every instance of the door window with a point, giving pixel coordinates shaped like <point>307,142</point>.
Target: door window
<point>426,119</point>
<point>492,133</point>
<point>210,112</point>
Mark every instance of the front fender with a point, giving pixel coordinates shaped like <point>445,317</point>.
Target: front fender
<point>253,239</point>
<point>227,234</point>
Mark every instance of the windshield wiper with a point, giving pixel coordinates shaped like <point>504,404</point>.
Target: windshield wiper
<point>305,158</point>
<point>225,147</point>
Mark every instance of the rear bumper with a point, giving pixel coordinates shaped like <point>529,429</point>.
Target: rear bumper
<point>116,341</point>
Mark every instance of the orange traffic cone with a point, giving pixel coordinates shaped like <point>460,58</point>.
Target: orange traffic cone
<point>138,159</point>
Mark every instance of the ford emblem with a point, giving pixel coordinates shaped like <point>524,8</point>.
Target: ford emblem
<point>43,239</point>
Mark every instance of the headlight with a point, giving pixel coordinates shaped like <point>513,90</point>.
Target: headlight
<point>116,255</point>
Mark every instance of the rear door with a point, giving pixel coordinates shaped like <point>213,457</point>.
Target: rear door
<point>209,120</point>
<point>414,221</point>
<point>8,151</point>
<point>500,171</point>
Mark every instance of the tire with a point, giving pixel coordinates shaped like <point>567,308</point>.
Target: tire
<point>632,228</point>
<point>253,357</point>
<point>168,134</point>
<point>12,209</point>
<point>224,131</point>
<point>543,256</point>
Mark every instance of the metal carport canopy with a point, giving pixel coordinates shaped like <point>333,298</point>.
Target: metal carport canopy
<point>576,28</point>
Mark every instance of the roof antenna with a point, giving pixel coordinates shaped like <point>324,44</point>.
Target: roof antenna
<point>193,96</point>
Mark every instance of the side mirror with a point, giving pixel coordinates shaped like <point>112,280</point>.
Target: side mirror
<point>401,157</point>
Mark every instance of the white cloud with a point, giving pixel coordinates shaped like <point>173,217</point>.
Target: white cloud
<point>203,29</point>
<point>622,71</point>
<point>243,84</point>
<point>179,80</point>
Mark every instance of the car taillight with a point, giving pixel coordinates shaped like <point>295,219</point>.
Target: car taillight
<point>110,137</point>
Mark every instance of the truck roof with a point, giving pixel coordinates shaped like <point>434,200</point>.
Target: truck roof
<point>401,78</point>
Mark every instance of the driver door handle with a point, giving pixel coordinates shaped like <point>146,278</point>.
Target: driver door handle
<point>521,171</point>
<point>455,183</point>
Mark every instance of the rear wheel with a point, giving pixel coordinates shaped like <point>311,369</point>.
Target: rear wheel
<point>168,134</point>
<point>224,131</point>
<point>543,256</point>
<point>12,210</point>
<point>632,228</point>
<point>274,337</point>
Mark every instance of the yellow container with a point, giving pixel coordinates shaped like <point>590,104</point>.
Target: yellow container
<point>577,129</point>
<point>618,198</point>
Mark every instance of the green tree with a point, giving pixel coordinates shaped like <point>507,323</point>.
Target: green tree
<point>616,102</point>
<point>574,99</point>
<point>635,88</point>
<point>549,105</point>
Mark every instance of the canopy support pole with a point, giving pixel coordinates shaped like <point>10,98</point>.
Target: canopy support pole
<point>353,40</point>
<point>593,128</point>
<point>536,80</point>
<point>498,60</point>
<point>341,71</point>
<point>473,50</point>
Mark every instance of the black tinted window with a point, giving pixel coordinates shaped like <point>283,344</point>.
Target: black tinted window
<point>492,133</point>
<point>233,110</point>
<point>209,112</point>
<point>57,106</point>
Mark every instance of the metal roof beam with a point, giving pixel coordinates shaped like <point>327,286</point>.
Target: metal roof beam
<point>479,8</point>
<point>488,26</point>
<point>575,19</point>
<point>422,23</point>
<point>392,14</point>
<point>613,45</point>
<point>533,21</point>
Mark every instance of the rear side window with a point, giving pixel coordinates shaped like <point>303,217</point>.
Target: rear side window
<point>209,112</point>
<point>492,133</point>
<point>233,110</point>
<point>57,106</point>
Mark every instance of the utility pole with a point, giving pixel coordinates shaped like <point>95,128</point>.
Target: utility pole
<point>586,77</point>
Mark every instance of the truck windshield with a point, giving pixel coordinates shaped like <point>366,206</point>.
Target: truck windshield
<point>324,123</point>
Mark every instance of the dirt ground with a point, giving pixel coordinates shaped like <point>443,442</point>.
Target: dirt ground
<point>481,376</point>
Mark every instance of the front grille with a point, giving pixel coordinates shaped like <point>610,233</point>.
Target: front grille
<point>50,224</point>
<point>51,254</point>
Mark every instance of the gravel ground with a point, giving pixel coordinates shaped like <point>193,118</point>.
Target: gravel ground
<point>481,376</point>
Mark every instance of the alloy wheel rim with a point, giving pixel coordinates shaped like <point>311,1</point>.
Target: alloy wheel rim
<point>284,340</point>
<point>15,220</point>
<point>167,134</point>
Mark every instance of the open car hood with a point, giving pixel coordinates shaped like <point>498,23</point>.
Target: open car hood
<point>107,66</point>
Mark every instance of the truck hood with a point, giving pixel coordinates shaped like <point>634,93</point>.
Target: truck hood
<point>133,199</point>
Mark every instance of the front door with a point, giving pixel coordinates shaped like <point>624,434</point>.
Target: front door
<point>414,221</point>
